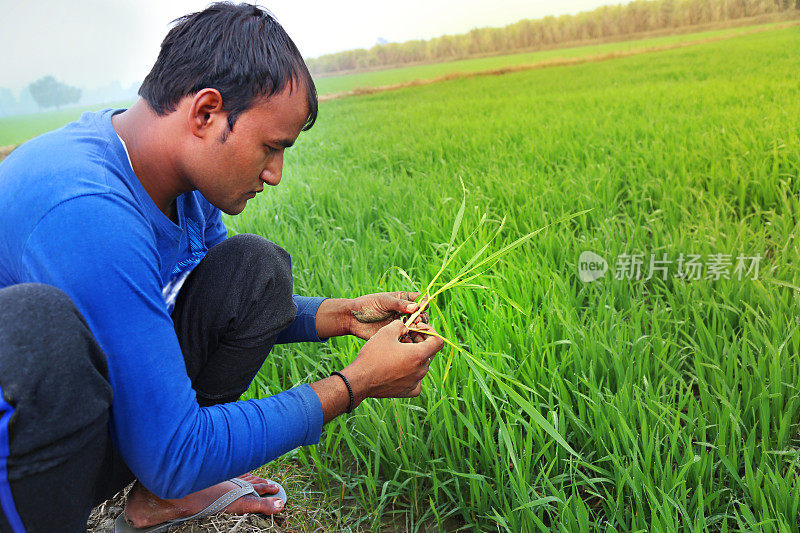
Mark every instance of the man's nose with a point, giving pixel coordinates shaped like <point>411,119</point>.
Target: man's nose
<point>272,174</point>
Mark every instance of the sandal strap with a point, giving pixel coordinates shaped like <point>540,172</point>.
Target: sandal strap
<point>226,499</point>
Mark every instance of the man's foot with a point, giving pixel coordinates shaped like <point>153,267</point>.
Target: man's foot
<point>143,508</point>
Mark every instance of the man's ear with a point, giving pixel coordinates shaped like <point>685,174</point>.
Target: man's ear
<point>205,113</point>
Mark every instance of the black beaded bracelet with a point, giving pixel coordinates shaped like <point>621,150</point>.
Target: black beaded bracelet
<point>349,390</point>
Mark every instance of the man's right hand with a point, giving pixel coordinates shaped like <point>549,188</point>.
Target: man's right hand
<point>386,367</point>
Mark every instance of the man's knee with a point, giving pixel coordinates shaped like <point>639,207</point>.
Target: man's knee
<point>229,313</point>
<point>263,257</point>
<point>263,267</point>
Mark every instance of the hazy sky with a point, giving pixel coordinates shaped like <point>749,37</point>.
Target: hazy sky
<point>92,42</point>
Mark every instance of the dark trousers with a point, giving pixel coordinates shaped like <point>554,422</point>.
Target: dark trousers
<point>56,457</point>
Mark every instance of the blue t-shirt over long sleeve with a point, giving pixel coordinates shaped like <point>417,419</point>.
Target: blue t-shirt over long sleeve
<point>74,215</point>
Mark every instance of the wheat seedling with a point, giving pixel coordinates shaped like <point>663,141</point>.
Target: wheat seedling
<point>476,267</point>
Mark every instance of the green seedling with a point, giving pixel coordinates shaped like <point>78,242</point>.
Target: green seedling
<point>476,267</point>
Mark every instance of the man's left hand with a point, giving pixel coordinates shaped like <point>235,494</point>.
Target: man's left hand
<point>365,315</point>
<point>371,312</point>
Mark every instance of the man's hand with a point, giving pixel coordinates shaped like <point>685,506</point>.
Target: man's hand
<point>386,367</point>
<point>365,315</point>
<point>374,311</point>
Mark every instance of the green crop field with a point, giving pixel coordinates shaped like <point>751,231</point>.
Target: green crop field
<point>378,78</point>
<point>626,404</point>
<point>18,129</point>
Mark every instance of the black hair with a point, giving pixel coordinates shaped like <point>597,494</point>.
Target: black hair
<point>239,50</point>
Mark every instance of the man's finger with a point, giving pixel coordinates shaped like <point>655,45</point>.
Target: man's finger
<point>423,318</point>
<point>396,327</point>
<point>430,345</point>
<point>404,306</point>
<point>406,303</point>
<point>421,331</point>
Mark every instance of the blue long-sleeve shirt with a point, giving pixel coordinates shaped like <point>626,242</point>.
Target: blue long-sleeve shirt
<point>74,215</point>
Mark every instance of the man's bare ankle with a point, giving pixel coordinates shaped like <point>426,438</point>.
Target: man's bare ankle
<point>143,508</point>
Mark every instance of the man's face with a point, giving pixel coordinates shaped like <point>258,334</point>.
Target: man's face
<point>230,172</point>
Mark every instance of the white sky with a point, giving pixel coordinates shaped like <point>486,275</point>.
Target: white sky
<point>90,43</point>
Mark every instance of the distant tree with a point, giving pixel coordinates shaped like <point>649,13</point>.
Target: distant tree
<point>49,92</point>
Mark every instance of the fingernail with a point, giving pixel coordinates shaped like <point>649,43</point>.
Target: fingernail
<point>411,307</point>
<point>278,504</point>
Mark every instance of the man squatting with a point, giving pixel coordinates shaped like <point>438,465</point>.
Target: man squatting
<point>130,325</point>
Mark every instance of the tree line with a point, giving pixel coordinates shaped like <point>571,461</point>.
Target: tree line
<point>601,23</point>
